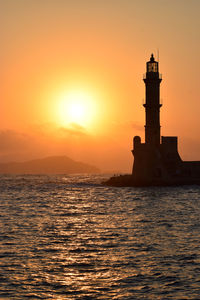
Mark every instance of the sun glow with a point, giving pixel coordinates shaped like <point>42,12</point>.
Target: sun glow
<point>76,107</point>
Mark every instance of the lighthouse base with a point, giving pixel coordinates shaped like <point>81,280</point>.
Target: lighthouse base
<point>158,165</point>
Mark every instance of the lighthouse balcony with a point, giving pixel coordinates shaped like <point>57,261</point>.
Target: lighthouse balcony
<point>152,106</point>
<point>152,75</point>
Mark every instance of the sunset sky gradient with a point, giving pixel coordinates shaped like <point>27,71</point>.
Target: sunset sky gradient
<point>51,49</point>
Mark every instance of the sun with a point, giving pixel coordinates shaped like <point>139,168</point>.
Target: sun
<point>76,106</point>
<point>76,110</point>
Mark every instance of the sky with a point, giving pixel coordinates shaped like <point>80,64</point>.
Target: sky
<point>71,77</point>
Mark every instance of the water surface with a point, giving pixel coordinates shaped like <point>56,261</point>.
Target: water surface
<point>69,237</point>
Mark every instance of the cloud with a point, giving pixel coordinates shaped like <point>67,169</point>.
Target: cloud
<point>128,125</point>
<point>15,145</point>
<point>11,140</point>
<point>74,129</point>
<point>106,152</point>
<point>42,140</point>
<point>137,126</point>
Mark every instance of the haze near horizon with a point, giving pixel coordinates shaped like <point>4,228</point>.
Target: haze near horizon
<point>71,77</point>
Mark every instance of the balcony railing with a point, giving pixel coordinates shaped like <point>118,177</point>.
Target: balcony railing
<point>145,75</point>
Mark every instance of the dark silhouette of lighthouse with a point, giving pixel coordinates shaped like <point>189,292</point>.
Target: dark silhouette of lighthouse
<point>156,161</point>
<point>157,156</point>
<point>152,80</point>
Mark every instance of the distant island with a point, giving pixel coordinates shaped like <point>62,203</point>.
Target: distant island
<point>48,165</point>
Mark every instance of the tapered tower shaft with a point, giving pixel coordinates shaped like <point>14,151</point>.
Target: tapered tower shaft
<point>152,104</point>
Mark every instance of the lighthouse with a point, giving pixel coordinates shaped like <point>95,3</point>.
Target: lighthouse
<point>147,159</point>
<point>152,105</point>
<point>156,160</point>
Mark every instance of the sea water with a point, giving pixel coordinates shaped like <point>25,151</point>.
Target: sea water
<point>69,237</point>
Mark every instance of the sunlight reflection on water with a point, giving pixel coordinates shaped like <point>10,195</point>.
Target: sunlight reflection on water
<point>68,237</point>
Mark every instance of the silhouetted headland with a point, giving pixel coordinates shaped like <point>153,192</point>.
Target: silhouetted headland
<point>48,165</point>
<point>157,161</point>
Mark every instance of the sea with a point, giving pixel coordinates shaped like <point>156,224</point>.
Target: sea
<point>70,237</point>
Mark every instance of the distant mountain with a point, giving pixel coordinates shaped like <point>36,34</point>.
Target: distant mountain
<point>48,165</point>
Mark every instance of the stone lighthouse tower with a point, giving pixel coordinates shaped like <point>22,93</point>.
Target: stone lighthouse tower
<point>147,158</point>
<point>152,105</point>
<point>156,161</point>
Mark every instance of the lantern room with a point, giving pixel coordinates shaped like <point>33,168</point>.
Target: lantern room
<point>152,65</point>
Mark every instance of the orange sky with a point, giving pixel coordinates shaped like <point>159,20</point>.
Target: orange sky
<point>97,49</point>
